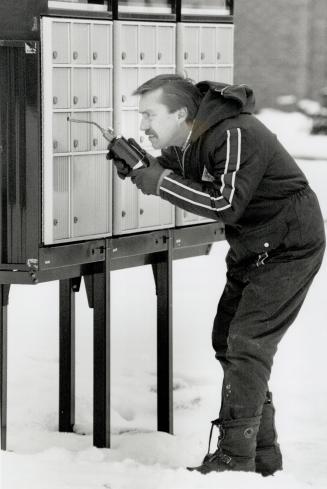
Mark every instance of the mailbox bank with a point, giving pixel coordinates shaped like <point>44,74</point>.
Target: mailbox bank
<point>64,212</point>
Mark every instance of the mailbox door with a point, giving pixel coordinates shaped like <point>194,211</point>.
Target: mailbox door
<point>104,119</point>
<point>191,44</point>
<point>80,43</point>
<point>80,88</point>
<point>128,83</point>
<point>224,43</point>
<point>147,45</point>
<point>61,197</point>
<point>142,51</point>
<point>101,91</point>
<point>77,83</point>
<point>101,35</point>
<point>61,131</point>
<point>91,178</point>
<point>166,45</point>
<point>129,44</point>
<point>61,88</point>
<point>60,42</point>
<point>80,134</point>
<point>208,45</point>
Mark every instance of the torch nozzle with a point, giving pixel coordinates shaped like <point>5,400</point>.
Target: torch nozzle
<point>108,134</point>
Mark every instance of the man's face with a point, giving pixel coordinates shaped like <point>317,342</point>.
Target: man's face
<point>161,126</point>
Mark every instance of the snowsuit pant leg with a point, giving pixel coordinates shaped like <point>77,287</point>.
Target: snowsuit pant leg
<point>254,312</point>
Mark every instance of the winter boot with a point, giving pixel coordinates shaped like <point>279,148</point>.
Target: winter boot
<point>268,457</point>
<point>236,446</point>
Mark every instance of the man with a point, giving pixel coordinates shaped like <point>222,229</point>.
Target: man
<point>220,162</point>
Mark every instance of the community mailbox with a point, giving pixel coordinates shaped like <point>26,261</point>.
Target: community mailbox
<point>63,59</point>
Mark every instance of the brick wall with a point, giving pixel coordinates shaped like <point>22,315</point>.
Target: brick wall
<point>281,47</point>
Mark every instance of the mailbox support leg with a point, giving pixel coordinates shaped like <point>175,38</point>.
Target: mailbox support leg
<point>163,280</point>
<point>67,288</point>
<point>4,297</point>
<point>101,359</point>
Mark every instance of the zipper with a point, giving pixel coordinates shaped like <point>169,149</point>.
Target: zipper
<point>179,161</point>
<point>183,159</point>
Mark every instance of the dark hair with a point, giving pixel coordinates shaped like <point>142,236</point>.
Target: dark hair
<point>177,92</point>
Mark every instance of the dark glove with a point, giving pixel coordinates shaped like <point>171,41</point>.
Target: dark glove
<point>122,167</point>
<point>148,179</point>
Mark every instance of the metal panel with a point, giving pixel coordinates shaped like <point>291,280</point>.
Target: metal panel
<point>80,88</point>
<point>191,44</point>
<point>208,45</point>
<point>101,44</point>
<point>81,134</point>
<point>91,190</point>
<point>84,87</point>
<point>60,131</point>
<point>166,45</point>
<point>61,206</point>
<point>225,44</point>
<point>104,119</point>
<point>148,210</point>
<point>101,94</point>
<point>147,48</point>
<point>61,88</point>
<point>128,85</point>
<point>133,211</point>
<point>129,44</point>
<point>60,42</point>
<point>80,45</point>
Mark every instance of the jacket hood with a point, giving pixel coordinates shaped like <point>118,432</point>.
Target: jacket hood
<point>221,101</point>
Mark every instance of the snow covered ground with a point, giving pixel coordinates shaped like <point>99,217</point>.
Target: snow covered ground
<point>141,458</point>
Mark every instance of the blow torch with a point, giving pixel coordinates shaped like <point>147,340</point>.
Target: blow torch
<point>121,148</point>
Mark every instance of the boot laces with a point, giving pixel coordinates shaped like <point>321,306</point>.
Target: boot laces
<point>218,454</point>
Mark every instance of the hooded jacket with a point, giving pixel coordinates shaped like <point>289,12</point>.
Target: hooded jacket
<point>234,170</point>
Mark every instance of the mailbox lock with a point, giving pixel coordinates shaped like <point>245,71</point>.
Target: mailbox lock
<point>55,100</point>
<point>75,100</point>
<point>54,55</point>
<point>95,99</point>
<point>123,55</point>
<point>75,55</point>
<point>218,55</point>
<point>95,142</point>
<point>185,55</point>
<point>123,99</point>
<point>55,222</point>
<point>123,213</point>
<point>95,55</point>
<point>203,55</point>
<point>142,55</point>
<point>141,212</point>
<point>75,143</point>
<point>159,55</point>
<point>55,144</point>
<point>75,219</point>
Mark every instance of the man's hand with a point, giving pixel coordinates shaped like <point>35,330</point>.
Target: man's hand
<point>123,169</point>
<point>148,179</point>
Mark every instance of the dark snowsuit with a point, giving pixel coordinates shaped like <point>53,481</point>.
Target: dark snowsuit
<point>236,171</point>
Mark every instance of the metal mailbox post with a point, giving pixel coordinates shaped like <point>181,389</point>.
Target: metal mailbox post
<point>54,62</point>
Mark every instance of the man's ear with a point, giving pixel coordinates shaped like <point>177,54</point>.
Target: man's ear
<point>182,114</point>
